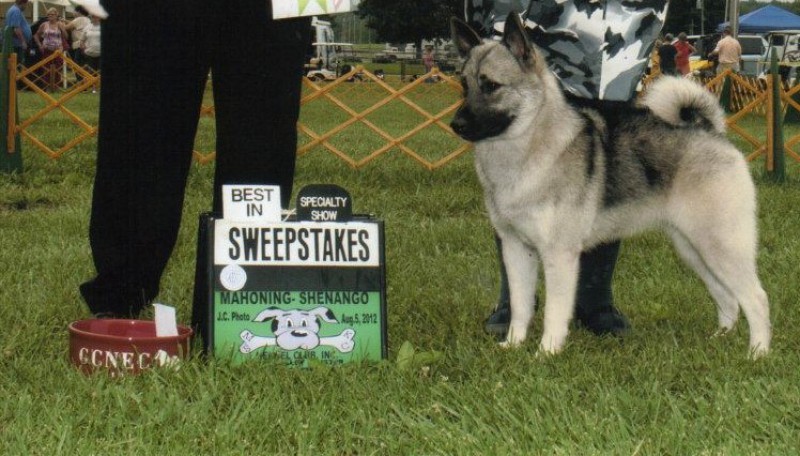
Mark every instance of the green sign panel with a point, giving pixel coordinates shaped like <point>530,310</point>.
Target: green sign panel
<point>298,292</point>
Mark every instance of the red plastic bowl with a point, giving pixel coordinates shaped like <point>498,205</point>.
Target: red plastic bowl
<point>124,346</point>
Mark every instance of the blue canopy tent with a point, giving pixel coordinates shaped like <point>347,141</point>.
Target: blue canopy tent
<point>766,19</point>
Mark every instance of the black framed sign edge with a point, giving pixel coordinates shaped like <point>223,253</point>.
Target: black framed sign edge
<point>208,222</point>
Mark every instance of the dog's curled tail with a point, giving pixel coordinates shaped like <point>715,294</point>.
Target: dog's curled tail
<point>684,103</point>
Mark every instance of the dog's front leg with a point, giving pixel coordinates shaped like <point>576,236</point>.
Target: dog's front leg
<point>561,280</point>
<point>521,264</point>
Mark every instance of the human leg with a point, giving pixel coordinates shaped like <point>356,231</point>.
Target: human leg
<point>497,323</point>
<point>77,56</point>
<point>257,104</point>
<point>594,299</point>
<point>257,99</point>
<point>594,303</point>
<point>153,76</point>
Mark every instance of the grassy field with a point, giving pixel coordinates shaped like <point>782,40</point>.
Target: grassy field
<point>666,389</point>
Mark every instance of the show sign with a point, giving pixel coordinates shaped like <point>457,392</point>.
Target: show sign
<point>324,203</point>
<point>297,292</point>
<point>251,202</point>
<point>282,9</point>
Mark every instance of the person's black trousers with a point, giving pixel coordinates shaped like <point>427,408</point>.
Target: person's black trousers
<point>594,300</point>
<point>156,58</point>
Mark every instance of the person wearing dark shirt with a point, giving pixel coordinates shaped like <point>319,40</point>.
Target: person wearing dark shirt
<point>667,55</point>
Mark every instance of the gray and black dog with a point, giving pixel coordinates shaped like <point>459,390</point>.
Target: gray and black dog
<point>561,177</point>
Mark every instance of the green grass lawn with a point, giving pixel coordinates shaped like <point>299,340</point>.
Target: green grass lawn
<point>666,389</point>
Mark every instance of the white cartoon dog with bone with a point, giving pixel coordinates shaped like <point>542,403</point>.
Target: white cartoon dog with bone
<point>297,329</point>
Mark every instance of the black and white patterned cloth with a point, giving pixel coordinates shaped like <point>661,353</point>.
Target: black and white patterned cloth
<point>598,49</point>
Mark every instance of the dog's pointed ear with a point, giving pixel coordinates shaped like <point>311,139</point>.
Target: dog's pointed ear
<point>515,38</point>
<point>463,36</point>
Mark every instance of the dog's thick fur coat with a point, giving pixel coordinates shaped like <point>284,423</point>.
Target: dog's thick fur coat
<point>561,175</point>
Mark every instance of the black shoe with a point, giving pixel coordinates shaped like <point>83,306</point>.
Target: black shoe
<point>109,299</point>
<point>498,321</point>
<point>109,316</point>
<point>605,321</point>
<point>608,321</point>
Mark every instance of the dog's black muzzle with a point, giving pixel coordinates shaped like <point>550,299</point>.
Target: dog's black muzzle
<point>462,122</point>
<point>475,127</point>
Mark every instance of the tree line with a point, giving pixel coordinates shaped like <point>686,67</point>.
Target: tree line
<point>411,21</point>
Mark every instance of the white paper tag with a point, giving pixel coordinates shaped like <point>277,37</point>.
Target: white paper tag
<point>282,9</point>
<point>166,323</point>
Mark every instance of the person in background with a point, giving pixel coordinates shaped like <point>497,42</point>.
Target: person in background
<point>32,57</point>
<point>728,52</point>
<point>154,65</point>
<point>427,60</point>
<point>76,28</point>
<point>667,56</point>
<point>50,38</point>
<point>685,49</point>
<point>90,47</point>
<point>654,65</point>
<point>21,30</point>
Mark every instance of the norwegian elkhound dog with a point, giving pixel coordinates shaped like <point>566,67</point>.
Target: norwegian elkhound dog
<point>562,175</point>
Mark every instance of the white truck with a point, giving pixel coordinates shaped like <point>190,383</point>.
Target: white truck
<point>391,53</point>
<point>326,53</point>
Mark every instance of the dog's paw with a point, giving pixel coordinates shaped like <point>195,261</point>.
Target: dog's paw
<point>541,354</point>
<point>545,352</point>
<point>513,339</point>
<point>551,345</point>
<point>509,344</point>
<point>721,332</point>
<point>759,351</point>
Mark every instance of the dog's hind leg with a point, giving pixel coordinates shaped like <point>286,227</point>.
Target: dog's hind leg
<point>521,264</point>
<point>727,306</point>
<point>561,269</point>
<point>728,252</point>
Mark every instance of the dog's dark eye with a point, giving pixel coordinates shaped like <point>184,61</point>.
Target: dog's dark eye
<point>289,323</point>
<point>304,323</point>
<point>489,87</point>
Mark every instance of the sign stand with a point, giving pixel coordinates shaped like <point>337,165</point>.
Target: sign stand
<point>296,291</point>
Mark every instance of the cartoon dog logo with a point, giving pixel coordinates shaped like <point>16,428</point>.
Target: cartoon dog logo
<point>297,329</point>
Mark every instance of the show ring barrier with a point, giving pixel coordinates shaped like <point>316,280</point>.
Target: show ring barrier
<point>361,117</point>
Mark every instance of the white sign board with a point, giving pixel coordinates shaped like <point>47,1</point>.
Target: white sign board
<point>351,244</point>
<point>254,203</point>
<point>325,279</point>
<point>282,9</point>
